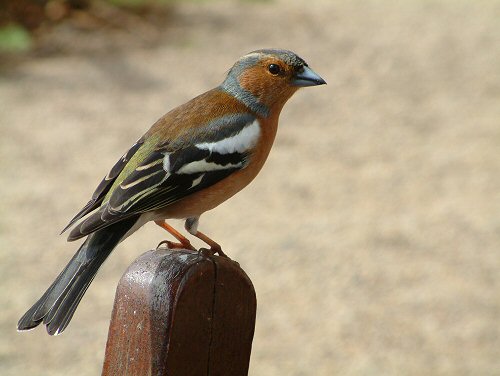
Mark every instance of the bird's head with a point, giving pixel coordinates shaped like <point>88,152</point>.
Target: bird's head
<point>266,79</point>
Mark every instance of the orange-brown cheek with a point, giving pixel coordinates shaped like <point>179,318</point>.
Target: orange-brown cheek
<point>255,81</point>
<point>270,91</point>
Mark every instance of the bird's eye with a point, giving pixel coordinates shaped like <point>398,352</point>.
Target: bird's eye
<point>274,69</point>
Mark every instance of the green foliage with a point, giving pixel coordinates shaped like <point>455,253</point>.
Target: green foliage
<point>20,19</point>
<point>14,38</point>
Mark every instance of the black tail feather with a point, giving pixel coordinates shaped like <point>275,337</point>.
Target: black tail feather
<point>58,304</point>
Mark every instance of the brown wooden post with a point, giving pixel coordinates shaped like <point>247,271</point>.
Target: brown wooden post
<point>181,313</point>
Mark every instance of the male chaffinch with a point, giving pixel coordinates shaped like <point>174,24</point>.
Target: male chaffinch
<point>191,160</point>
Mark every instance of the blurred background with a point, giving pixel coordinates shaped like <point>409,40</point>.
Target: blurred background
<point>372,235</point>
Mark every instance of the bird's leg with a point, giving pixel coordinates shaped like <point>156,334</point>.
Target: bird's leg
<point>183,241</point>
<point>214,247</point>
<point>191,226</point>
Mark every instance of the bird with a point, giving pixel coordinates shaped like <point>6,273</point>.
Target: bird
<point>192,159</point>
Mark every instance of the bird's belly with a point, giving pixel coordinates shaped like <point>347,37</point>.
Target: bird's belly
<point>196,204</point>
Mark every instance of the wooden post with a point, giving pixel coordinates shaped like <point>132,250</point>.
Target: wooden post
<point>181,313</point>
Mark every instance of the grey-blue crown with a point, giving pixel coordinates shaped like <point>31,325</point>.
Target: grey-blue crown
<point>288,57</point>
<point>232,86</point>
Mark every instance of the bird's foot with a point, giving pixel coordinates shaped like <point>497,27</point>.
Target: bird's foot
<point>212,251</point>
<point>174,245</point>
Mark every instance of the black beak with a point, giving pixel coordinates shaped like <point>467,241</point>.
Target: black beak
<point>307,77</point>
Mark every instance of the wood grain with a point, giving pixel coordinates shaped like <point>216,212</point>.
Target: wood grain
<point>181,313</point>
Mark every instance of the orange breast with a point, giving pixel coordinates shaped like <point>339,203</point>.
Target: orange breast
<point>208,198</point>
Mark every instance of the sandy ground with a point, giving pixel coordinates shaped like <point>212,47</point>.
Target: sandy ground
<point>373,233</point>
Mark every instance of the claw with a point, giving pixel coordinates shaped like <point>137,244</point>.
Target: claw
<point>174,245</point>
<point>212,251</point>
<point>219,252</point>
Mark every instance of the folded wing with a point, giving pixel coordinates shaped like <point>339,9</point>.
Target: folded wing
<point>105,185</point>
<point>178,169</point>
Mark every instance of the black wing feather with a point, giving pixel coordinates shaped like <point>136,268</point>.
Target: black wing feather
<point>150,187</point>
<point>154,192</point>
<point>105,185</point>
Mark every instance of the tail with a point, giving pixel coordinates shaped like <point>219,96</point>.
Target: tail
<point>57,306</point>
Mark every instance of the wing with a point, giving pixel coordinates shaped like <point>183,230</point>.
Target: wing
<point>176,170</point>
<point>105,185</point>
